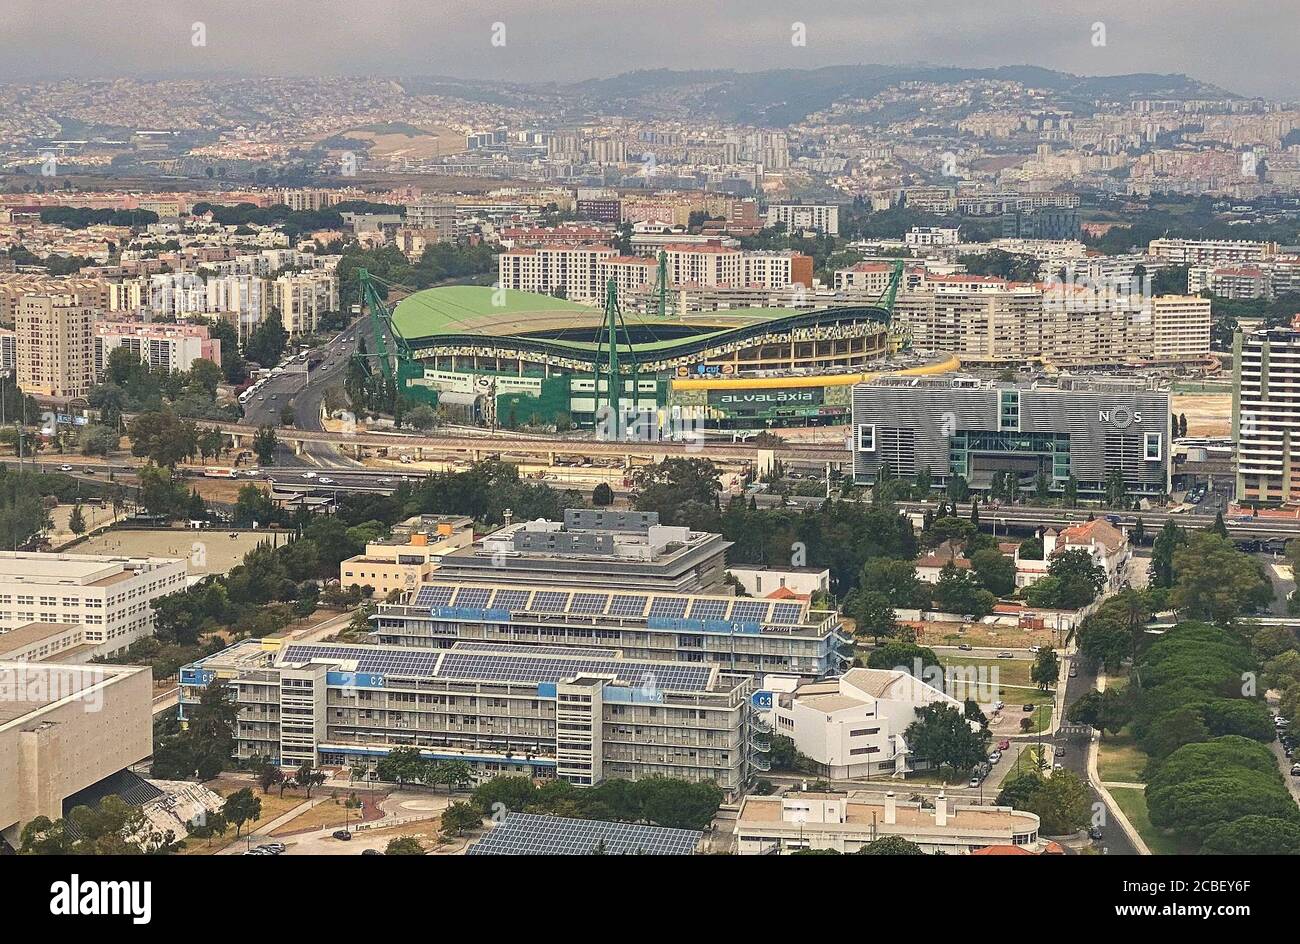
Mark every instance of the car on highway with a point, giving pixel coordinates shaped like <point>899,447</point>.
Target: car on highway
<point>965,647</point>
<point>65,468</point>
<point>309,475</point>
<point>1005,655</point>
<point>325,480</point>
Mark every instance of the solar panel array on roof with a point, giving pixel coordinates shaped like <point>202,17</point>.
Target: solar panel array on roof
<point>668,607</point>
<point>510,600</point>
<point>550,601</point>
<point>589,603</point>
<point>521,668</point>
<point>433,596</point>
<point>624,605</point>
<point>534,834</point>
<point>628,605</point>
<point>475,597</point>
<point>380,660</point>
<point>787,614</point>
<point>750,611</point>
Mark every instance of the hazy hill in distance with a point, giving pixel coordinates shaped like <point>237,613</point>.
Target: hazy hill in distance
<point>781,96</point>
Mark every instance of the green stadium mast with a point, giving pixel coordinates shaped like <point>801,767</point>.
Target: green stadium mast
<point>661,285</point>
<point>607,345</point>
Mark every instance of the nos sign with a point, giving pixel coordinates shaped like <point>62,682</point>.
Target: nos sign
<point>1121,416</point>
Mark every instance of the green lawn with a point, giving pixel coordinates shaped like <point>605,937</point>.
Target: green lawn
<point>1134,804</point>
<point>1119,759</point>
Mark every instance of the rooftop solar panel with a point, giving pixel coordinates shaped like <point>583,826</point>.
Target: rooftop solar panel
<point>380,660</point>
<point>476,597</point>
<point>534,834</point>
<point>627,605</point>
<point>669,607</point>
<point>549,601</point>
<point>750,611</point>
<point>589,603</point>
<point>510,600</point>
<point>433,596</point>
<point>709,609</point>
<point>787,614</point>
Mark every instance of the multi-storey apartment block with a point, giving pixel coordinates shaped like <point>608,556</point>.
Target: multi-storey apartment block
<point>55,348</point>
<point>1266,415</point>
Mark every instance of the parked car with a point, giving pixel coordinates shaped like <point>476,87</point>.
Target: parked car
<point>342,834</point>
<point>1074,671</point>
<point>1295,770</point>
<point>1094,833</point>
<point>1004,744</point>
<point>1028,707</point>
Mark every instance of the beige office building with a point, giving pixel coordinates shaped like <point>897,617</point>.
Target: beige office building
<point>778,825</point>
<point>64,728</point>
<point>403,561</point>
<point>1181,327</point>
<point>55,346</point>
<point>980,319</point>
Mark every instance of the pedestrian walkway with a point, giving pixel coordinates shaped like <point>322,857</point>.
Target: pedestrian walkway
<point>1112,808</point>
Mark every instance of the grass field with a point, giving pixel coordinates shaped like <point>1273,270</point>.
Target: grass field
<point>1134,804</point>
<point>1119,760</point>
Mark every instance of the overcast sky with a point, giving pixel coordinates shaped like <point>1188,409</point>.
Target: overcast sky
<point>1246,46</point>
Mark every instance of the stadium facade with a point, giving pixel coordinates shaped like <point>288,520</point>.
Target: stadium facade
<point>516,358</point>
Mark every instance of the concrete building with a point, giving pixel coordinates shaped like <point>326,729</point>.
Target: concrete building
<point>64,728</point>
<point>963,427</point>
<point>574,270</point>
<point>1266,415</point>
<point>402,561</point>
<point>303,298</point>
<point>1216,252</point>
<point>594,548</point>
<point>981,319</point>
<point>854,726</point>
<point>579,715</point>
<point>781,582</point>
<point>168,347</point>
<point>55,346</point>
<point>1180,327</point>
<point>742,635</point>
<point>821,217</point>
<point>780,825</point>
<point>1106,544</point>
<point>109,596</point>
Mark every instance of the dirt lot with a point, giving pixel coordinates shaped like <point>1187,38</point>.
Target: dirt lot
<point>209,551</point>
<point>1208,414</point>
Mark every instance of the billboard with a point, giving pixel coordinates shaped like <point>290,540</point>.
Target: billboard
<point>772,401</point>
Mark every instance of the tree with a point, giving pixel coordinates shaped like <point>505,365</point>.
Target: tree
<point>890,845</point>
<point>871,613</point>
<point>265,444</point>
<point>163,438</point>
<point>1061,802</point>
<point>99,440</point>
<point>996,571</point>
<point>602,496</point>
<point>1219,527</point>
<point>404,845</point>
<point>943,736</point>
<point>270,776</point>
<point>241,807</point>
<point>307,777</point>
<point>1070,494</point>
<point>77,521</point>
<point>1162,554</point>
<point>1046,669</point>
<point>1116,490</point>
<point>1254,835</point>
<point>458,818</point>
<point>958,591</point>
<point>1214,581</point>
<point>1105,711</point>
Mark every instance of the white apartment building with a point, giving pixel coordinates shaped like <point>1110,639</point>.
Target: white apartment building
<point>822,217</point>
<point>1180,327</point>
<point>54,346</point>
<point>169,347</point>
<point>1237,281</point>
<point>1212,251</point>
<point>1266,415</point>
<point>575,269</point>
<point>930,236</point>
<point>980,318</point>
<point>779,825</point>
<point>302,298</point>
<point>853,726</point>
<point>110,596</point>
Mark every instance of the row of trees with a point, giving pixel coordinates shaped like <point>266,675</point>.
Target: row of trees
<point>662,801</point>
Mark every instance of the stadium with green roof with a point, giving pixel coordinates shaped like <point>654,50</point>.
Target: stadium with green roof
<point>519,358</point>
